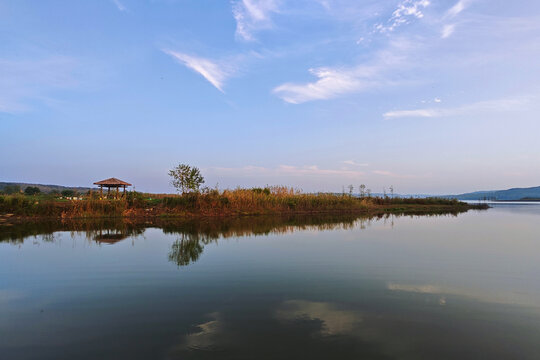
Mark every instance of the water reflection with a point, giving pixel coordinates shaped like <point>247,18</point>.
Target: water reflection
<point>186,250</point>
<point>333,321</point>
<point>193,234</point>
<point>317,287</point>
<point>100,230</point>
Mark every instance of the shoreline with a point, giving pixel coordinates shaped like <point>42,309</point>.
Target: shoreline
<point>154,214</point>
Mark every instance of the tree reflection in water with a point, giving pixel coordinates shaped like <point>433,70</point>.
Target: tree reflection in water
<point>186,250</point>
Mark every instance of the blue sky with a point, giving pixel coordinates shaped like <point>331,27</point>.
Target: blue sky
<point>428,96</point>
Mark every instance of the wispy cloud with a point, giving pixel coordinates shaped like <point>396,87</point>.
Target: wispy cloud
<point>330,83</point>
<point>337,81</point>
<point>458,8</point>
<point>119,5</point>
<point>404,13</point>
<point>412,113</point>
<point>33,80</point>
<point>253,15</point>
<point>288,170</point>
<point>393,175</point>
<point>354,163</point>
<point>447,30</point>
<point>515,103</point>
<point>215,72</point>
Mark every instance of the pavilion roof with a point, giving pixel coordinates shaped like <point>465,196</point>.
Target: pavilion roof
<point>113,182</point>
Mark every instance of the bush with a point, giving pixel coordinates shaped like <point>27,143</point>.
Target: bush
<point>265,191</point>
<point>32,190</point>
<point>135,199</point>
<point>68,193</point>
<point>12,189</point>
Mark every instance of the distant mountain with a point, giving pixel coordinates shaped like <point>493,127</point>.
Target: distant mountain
<point>44,188</point>
<point>510,194</point>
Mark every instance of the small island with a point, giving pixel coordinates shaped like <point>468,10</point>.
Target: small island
<point>194,201</point>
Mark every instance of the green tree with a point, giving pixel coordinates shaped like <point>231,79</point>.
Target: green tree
<point>68,193</point>
<point>186,178</point>
<point>32,190</point>
<point>12,189</point>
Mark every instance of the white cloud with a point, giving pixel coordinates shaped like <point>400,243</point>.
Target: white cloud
<point>411,113</point>
<point>336,81</point>
<point>448,30</point>
<point>516,103</point>
<point>457,8</point>
<point>405,11</point>
<point>394,175</point>
<point>119,5</point>
<point>437,100</point>
<point>330,83</point>
<point>31,80</point>
<point>354,163</point>
<point>216,73</point>
<point>253,15</point>
<point>287,170</point>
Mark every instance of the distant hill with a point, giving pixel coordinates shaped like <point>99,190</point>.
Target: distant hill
<point>510,194</point>
<point>44,188</point>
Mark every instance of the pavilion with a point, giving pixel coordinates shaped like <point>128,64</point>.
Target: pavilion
<point>112,183</point>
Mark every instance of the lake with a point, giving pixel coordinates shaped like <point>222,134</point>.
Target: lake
<point>463,286</point>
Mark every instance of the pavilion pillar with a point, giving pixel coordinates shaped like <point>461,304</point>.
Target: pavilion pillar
<point>101,191</point>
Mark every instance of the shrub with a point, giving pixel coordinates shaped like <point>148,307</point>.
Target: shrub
<point>31,190</point>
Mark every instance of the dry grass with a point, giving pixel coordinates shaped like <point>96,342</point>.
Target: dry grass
<point>273,200</point>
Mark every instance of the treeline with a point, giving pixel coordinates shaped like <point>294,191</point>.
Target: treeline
<point>213,202</point>
<point>35,190</point>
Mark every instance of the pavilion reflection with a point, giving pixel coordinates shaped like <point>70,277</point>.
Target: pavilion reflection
<point>110,236</point>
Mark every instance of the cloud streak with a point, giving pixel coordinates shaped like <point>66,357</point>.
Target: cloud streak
<point>27,81</point>
<point>354,163</point>
<point>337,81</point>
<point>448,30</point>
<point>458,8</point>
<point>119,5</point>
<point>406,10</point>
<point>329,84</point>
<point>214,72</point>
<point>282,170</point>
<point>516,103</point>
<point>252,16</point>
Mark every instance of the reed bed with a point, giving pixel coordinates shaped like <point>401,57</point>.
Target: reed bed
<point>212,202</point>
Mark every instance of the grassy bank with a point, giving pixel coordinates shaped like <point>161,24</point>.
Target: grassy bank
<point>275,200</point>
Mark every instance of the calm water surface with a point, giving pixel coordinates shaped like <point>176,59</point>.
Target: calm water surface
<point>446,287</point>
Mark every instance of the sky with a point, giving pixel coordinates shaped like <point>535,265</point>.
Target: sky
<point>427,96</point>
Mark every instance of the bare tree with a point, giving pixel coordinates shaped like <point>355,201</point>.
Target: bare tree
<point>362,190</point>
